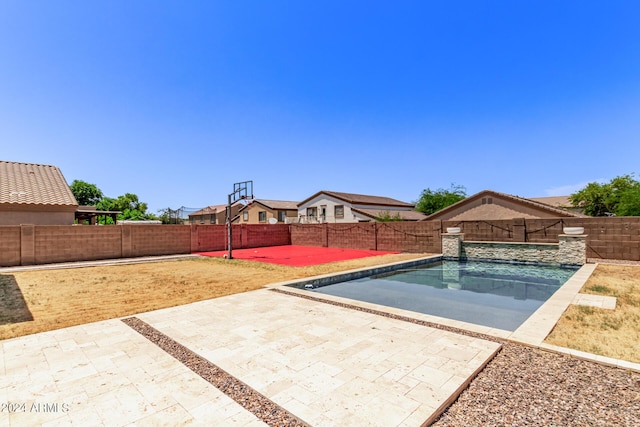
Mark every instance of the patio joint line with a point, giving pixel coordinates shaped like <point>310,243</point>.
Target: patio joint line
<point>253,401</point>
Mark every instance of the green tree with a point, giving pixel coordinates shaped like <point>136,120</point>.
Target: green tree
<point>106,204</point>
<point>387,217</point>
<point>620,197</point>
<point>86,194</point>
<point>592,199</point>
<point>432,201</point>
<point>129,205</point>
<point>132,208</point>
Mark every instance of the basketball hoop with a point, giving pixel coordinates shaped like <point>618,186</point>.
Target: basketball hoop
<point>246,201</point>
<point>242,191</point>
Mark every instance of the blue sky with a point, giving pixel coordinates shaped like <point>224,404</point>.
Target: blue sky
<point>176,101</point>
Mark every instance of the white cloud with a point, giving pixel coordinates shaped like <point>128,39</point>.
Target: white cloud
<point>565,190</point>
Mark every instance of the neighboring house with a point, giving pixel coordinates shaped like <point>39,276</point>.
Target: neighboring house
<point>35,194</point>
<point>215,214</point>
<point>260,211</point>
<point>490,205</point>
<point>332,206</point>
<point>562,202</point>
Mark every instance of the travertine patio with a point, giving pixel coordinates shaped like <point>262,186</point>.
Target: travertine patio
<point>326,365</point>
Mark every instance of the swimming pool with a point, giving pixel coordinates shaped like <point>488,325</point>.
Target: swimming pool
<point>498,295</point>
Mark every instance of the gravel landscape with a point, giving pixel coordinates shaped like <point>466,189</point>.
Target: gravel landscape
<point>523,386</point>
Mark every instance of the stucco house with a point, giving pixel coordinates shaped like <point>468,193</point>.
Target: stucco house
<point>337,207</point>
<point>35,194</point>
<point>492,205</point>
<point>214,214</point>
<point>260,211</point>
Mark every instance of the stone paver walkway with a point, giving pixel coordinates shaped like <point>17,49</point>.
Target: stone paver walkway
<point>325,364</point>
<point>598,301</point>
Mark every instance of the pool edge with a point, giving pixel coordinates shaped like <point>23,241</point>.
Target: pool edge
<point>540,324</point>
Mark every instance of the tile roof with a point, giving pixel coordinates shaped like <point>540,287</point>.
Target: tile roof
<point>490,212</point>
<point>33,184</point>
<point>405,215</point>
<point>278,204</point>
<point>361,199</point>
<point>555,201</point>
<point>499,212</point>
<point>214,209</point>
<point>542,205</point>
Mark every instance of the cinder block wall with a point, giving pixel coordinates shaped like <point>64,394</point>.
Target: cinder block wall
<point>260,235</point>
<point>352,236</point>
<point>413,237</point>
<point>607,238</point>
<point>9,245</point>
<point>417,237</point>
<point>148,240</point>
<point>61,243</point>
<point>206,238</point>
<point>308,234</point>
<point>611,238</point>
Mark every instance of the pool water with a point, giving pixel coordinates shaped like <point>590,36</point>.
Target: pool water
<point>497,295</point>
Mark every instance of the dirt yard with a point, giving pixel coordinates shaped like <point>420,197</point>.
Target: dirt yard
<point>43,300</point>
<point>612,333</point>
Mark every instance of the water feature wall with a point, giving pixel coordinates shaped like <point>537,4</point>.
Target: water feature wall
<point>570,250</point>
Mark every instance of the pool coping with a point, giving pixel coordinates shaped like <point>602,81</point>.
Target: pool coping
<point>531,333</point>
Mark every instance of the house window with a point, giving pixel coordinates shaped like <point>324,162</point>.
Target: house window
<point>262,216</point>
<point>339,211</point>
<point>212,219</point>
<point>311,212</point>
<point>245,216</point>
<point>282,216</point>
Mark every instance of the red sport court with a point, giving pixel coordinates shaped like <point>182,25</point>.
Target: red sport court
<point>296,256</point>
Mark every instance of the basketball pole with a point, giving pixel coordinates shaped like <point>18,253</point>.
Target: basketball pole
<point>240,191</point>
<point>229,228</point>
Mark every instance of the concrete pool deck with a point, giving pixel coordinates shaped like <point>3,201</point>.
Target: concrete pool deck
<point>324,364</point>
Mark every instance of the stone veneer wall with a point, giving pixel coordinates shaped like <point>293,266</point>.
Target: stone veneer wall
<point>451,245</point>
<point>570,250</point>
<point>573,249</point>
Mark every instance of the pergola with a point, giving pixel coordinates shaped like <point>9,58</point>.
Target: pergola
<point>91,214</point>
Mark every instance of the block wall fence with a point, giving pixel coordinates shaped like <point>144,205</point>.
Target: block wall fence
<point>607,238</point>
<point>42,244</point>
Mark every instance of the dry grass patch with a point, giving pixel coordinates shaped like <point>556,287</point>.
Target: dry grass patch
<point>611,333</point>
<point>37,301</point>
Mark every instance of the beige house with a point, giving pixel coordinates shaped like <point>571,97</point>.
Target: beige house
<point>336,207</point>
<point>35,194</point>
<point>214,214</point>
<point>262,211</point>
<point>490,205</point>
